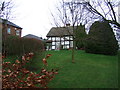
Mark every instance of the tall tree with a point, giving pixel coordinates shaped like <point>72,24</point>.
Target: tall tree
<point>106,10</point>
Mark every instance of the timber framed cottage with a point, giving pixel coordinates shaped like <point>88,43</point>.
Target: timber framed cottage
<point>60,38</point>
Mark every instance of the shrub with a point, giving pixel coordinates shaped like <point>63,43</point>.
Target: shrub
<point>32,45</point>
<point>101,39</point>
<point>13,45</point>
<point>16,76</point>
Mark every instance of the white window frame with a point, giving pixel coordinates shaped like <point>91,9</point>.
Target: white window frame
<point>9,30</point>
<point>17,32</point>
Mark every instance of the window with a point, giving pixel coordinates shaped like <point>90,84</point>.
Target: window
<point>57,38</point>
<point>53,47</point>
<point>71,44</point>
<point>8,30</point>
<point>66,42</point>
<point>53,43</point>
<point>71,37</point>
<point>17,32</point>
<point>67,37</point>
<point>53,38</point>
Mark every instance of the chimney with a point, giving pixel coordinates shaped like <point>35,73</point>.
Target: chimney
<point>67,25</point>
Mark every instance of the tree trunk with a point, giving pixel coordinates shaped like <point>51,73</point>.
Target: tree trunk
<point>4,36</point>
<point>73,49</point>
<point>73,59</point>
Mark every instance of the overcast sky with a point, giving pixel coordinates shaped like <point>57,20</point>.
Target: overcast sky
<point>34,16</point>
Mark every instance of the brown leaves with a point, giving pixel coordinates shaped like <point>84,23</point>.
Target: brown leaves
<point>17,61</point>
<point>28,56</point>
<point>45,62</point>
<point>48,56</point>
<point>15,76</point>
<point>9,71</point>
<point>45,59</point>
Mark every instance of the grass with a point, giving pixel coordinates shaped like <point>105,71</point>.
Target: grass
<point>88,71</point>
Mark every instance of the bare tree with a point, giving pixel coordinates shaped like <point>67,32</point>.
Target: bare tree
<point>6,9</point>
<point>6,13</point>
<point>75,12</point>
<point>106,10</point>
<point>72,13</point>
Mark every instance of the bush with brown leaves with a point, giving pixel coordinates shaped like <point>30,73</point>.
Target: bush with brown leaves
<point>16,76</point>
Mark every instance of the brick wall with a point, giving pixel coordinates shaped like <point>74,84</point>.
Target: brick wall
<point>12,30</point>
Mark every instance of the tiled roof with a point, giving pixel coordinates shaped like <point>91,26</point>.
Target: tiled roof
<point>60,31</point>
<point>10,23</point>
<point>33,36</point>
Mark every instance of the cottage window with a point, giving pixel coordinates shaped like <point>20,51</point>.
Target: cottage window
<point>71,44</point>
<point>58,38</point>
<point>71,37</point>
<point>53,43</point>
<point>62,38</point>
<point>66,42</point>
<point>17,32</point>
<point>53,39</point>
<point>8,30</point>
<point>67,46</point>
<point>53,47</point>
<point>67,38</point>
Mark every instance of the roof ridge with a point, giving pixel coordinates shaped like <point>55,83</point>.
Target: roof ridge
<point>60,31</point>
<point>11,23</point>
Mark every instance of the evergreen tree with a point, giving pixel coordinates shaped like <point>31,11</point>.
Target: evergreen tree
<point>80,36</point>
<point>101,39</point>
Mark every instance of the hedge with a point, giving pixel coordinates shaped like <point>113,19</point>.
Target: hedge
<point>19,46</point>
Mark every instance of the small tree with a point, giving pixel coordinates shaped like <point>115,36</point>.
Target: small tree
<point>70,12</point>
<point>101,39</point>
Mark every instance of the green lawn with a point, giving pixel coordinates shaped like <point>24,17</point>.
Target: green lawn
<point>88,71</point>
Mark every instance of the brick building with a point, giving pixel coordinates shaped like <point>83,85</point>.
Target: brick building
<point>9,28</point>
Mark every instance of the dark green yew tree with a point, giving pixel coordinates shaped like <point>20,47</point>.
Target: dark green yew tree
<point>101,39</point>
